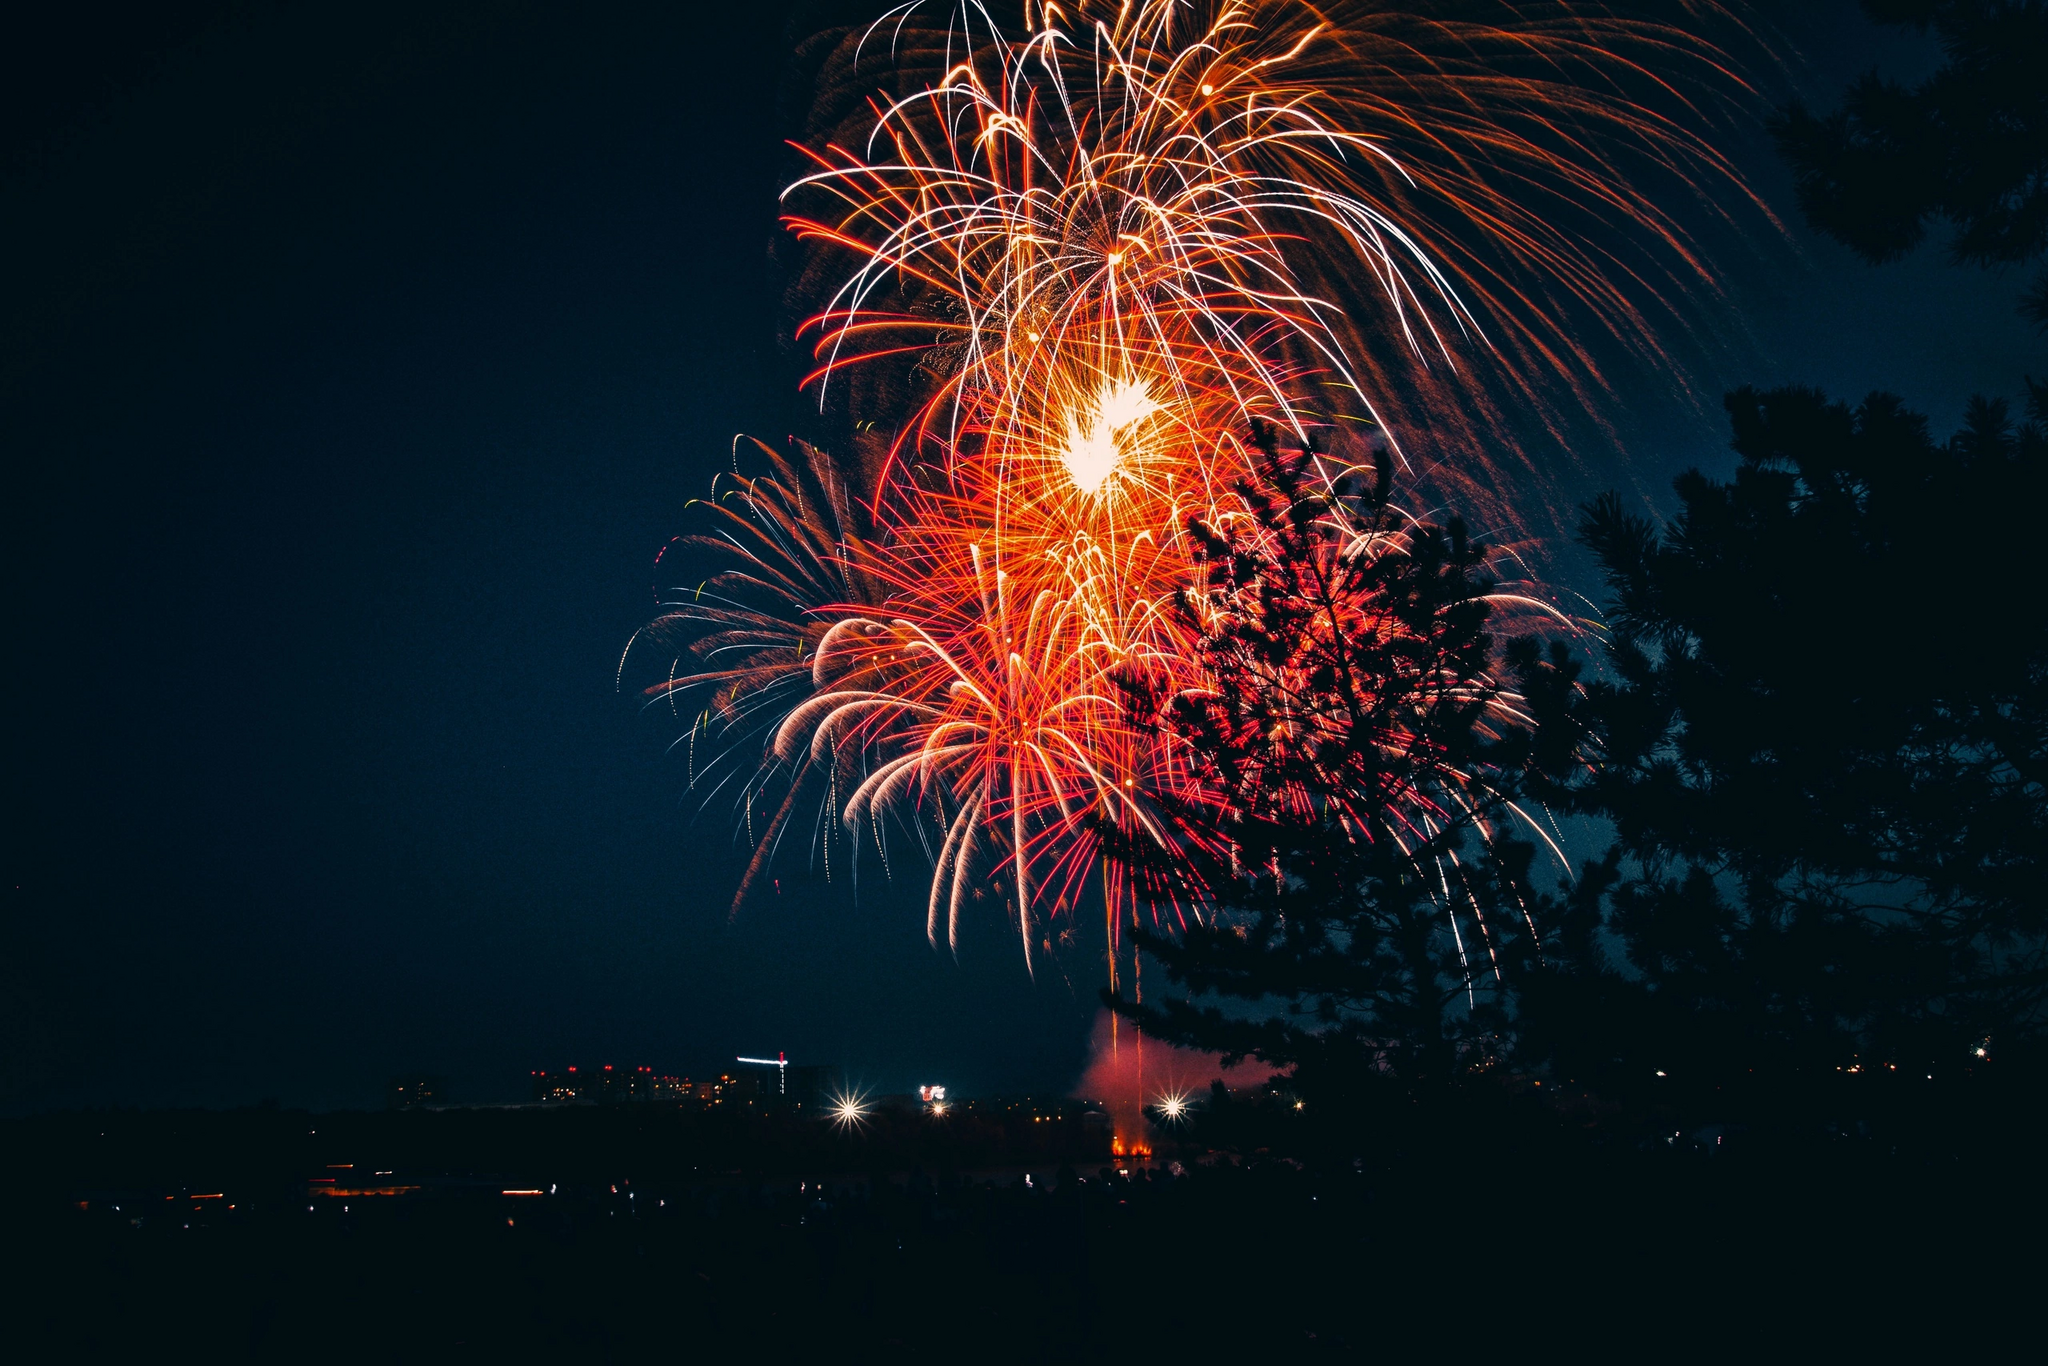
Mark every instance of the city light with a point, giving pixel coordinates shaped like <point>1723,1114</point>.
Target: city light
<point>849,1110</point>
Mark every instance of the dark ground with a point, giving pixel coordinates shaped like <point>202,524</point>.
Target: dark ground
<point>672,1236</point>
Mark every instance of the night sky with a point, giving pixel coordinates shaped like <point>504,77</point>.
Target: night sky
<point>358,359</point>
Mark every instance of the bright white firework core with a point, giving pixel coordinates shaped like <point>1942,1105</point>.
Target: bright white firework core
<point>1093,452</point>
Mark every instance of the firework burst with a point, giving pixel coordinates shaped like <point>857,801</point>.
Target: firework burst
<point>1095,255</point>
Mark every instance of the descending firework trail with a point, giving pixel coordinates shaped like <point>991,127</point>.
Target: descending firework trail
<point>785,556</point>
<point>1105,247</point>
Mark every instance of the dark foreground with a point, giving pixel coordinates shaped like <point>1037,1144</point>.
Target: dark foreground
<point>1034,1246</point>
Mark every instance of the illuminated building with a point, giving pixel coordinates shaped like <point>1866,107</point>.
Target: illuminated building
<point>562,1088</point>
<point>773,1085</point>
<point>806,1088</point>
<point>661,1089</point>
<point>403,1093</point>
<point>612,1085</point>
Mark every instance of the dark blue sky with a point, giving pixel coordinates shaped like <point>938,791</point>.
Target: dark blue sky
<point>358,359</point>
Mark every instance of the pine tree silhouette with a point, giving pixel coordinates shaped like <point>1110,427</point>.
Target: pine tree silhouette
<point>1824,748</point>
<point>1969,144</point>
<point>1351,756</point>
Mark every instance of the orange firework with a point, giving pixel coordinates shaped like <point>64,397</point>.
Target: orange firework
<point>1281,206</point>
<point>1107,247</point>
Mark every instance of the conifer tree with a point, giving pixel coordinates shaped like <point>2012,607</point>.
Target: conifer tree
<point>1823,744</point>
<point>1355,906</point>
<point>1969,144</point>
